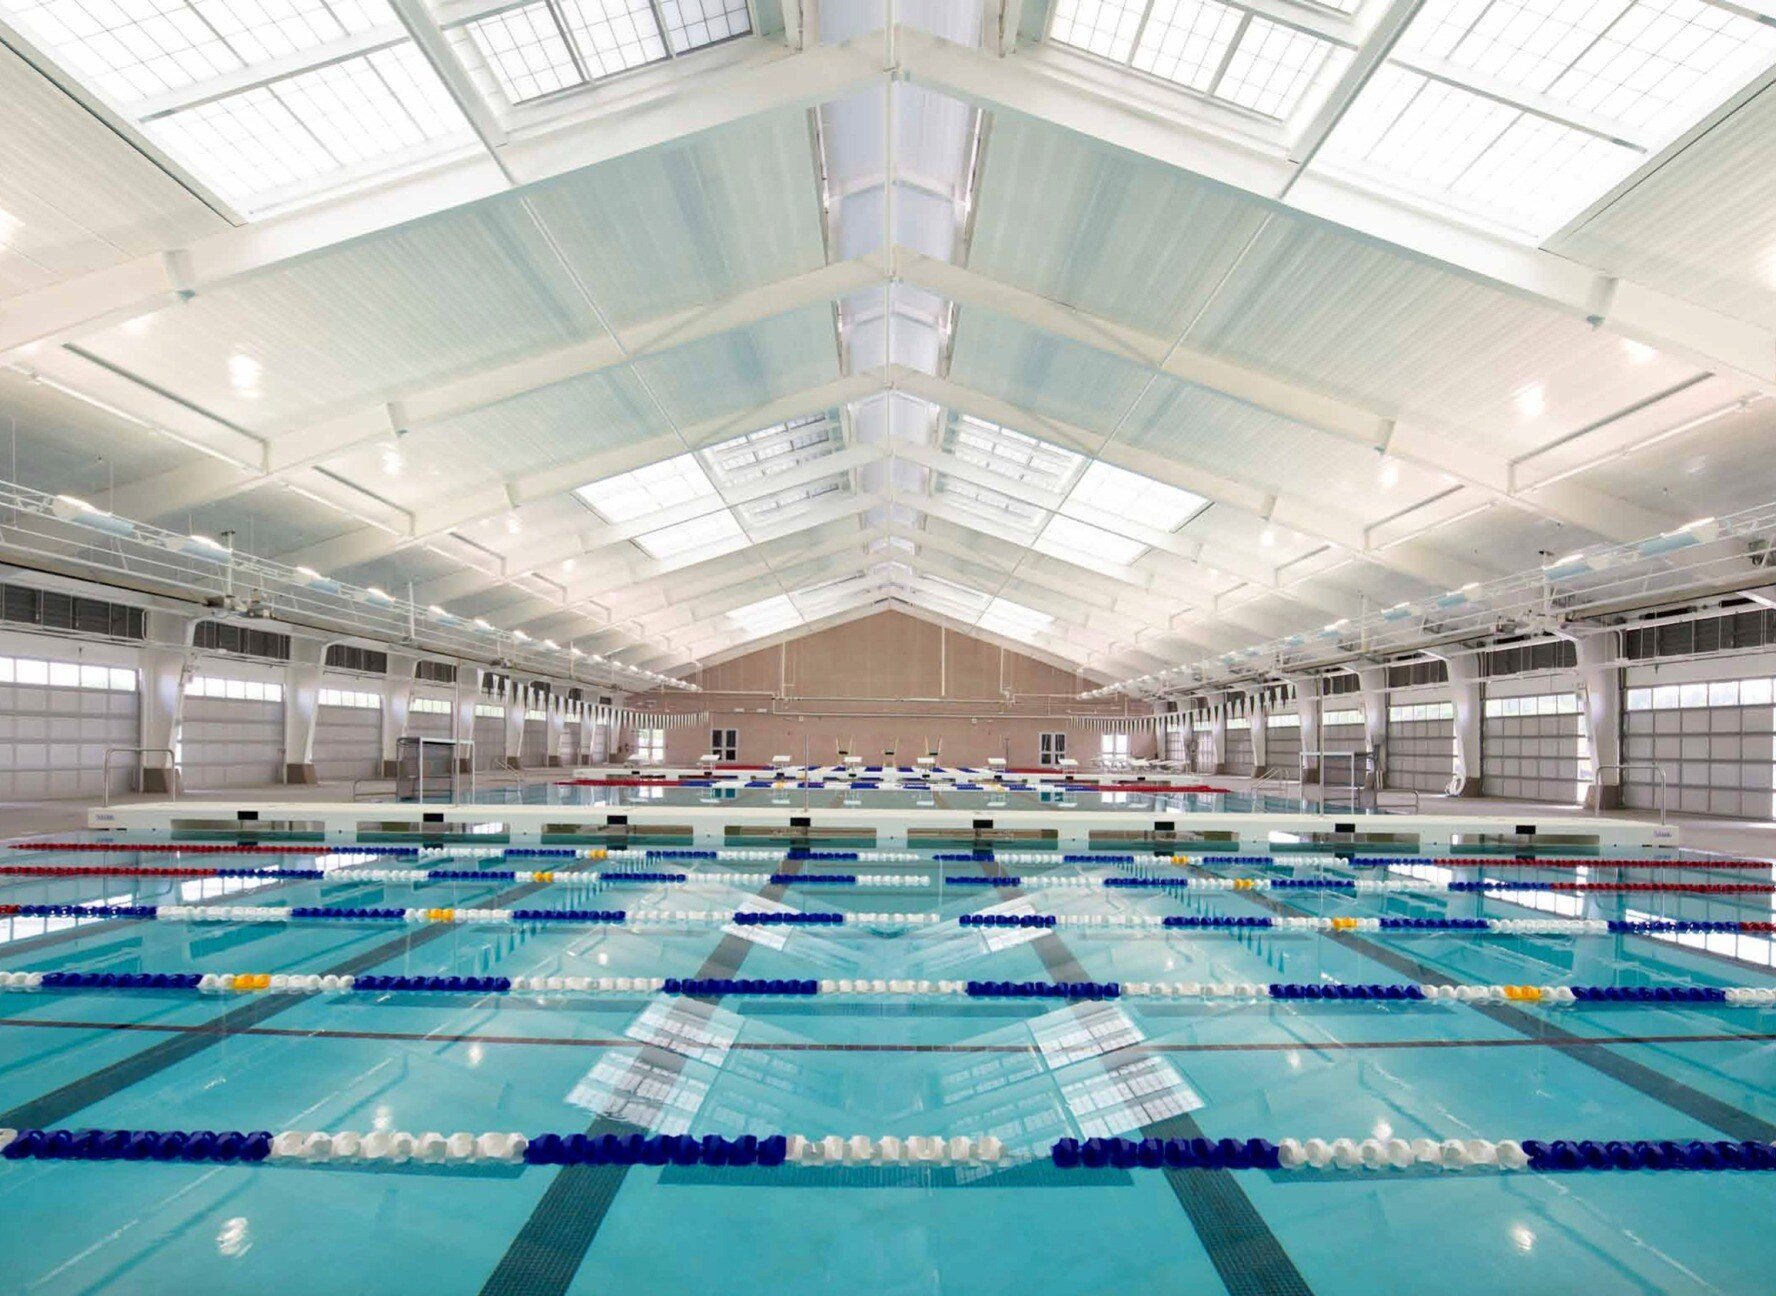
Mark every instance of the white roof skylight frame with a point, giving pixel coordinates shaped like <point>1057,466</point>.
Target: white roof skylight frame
<point>1222,52</point>
<point>767,451</point>
<point>579,43</point>
<point>1536,153</point>
<point>298,100</point>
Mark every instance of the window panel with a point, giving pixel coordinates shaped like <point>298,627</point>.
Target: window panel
<point>613,35</point>
<point>1002,616</point>
<point>767,616</point>
<point>304,127</point>
<point>1117,492</point>
<point>692,24</point>
<point>634,494</point>
<point>707,532</point>
<point>774,449</point>
<point>526,51</point>
<point>1187,40</point>
<point>1273,66</point>
<point>1065,538</point>
<point>1011,454</point>
<point>1104,27</point>
<point>136,50</point>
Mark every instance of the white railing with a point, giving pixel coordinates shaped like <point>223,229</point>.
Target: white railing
<point>74,536</point>
<point>172,767</point>
<point>1722,553</point>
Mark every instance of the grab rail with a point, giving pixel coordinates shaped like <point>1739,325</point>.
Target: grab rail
<point>1663,782</point>
<point>141,767</point>
<point>374,778</point>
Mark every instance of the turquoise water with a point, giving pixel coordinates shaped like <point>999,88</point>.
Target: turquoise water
<point>1028,1072</point>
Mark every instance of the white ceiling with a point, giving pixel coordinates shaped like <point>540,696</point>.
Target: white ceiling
<point>1246,272</point>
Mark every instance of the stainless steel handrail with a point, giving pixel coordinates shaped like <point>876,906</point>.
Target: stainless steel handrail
<point>374,778</point>
<point>172,766</point>
<point>1663,782</point>
<point>1417,807</point>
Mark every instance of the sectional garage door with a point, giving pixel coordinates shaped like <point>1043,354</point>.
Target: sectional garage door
<point>1712,741</point>
<point>1421,746</point>
<point>1239,750</point>
<point>490,737</point>
<point>535,749</point>
<point>1282,743</point>
<point>348,735</point>
<point>56,721</point>
<point>429,718</point>
<point>232,733</point>
<point>1534,748</point>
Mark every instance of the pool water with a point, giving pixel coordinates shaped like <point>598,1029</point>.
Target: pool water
<point>1029,1072</point>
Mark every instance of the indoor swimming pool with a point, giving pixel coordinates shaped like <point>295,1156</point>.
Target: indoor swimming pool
<point>893,1071</point>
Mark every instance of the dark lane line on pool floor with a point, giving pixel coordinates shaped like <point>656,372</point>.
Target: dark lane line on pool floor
<point>76,1095</point>
<point>1711,1111</point>
<point>808,1046</point>
<point>1246,1253</point>
<point>553,1242</point>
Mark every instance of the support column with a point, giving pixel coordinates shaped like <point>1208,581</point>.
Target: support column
<point>515,705</point>
<point>1600,705</point>
<point>166,665</point>
<point>1307,704</point>
<point>1218,733</point>
<point>397,699</point>
<point>1258,709</point>
<point>462,711</point>
<point>302,686</point>
<point>1372,683</point>
<point>1468,694</point>
<point>557,727</point>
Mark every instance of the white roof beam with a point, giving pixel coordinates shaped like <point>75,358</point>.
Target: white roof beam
<point>652,596</point>
<point>1311,517</point>
<point>647,108</point>
<point>496,498</point>
<point>287,453</point>
<point>1407,441</point>
<point>1057,87</point>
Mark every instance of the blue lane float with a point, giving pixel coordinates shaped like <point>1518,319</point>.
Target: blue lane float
<point>1006,920</point>
<point>813,879</point>
<point>1215,921</point>
<point>1043,990</point>
<point>1372,1154</point>
<point>744,986</point>
<point>759,918</point>
<point>986,880</point>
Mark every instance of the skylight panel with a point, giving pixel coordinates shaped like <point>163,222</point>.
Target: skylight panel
<point>1273,66</point>
<point>634,494</point>
<point>1475,153</point>
<point>1066,537</point>
<point>1663,65</point>
<point>1011,454</point>
<point>712,532</point>
<point>786,503</point>
<point>146,48</point>
<point>1014,620</point>
<point>526,51</point>
<point>1117,492</point>
<point>293,131</point>
<point>774,449</point>
<point>1187,41</point>
<point>1654,64</point>
<point>692,24</point>
<point>952,597</point>
<point>613,35</point>
<point>1104,27</point>
<point>767,616</point>
<point>989,504</point>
